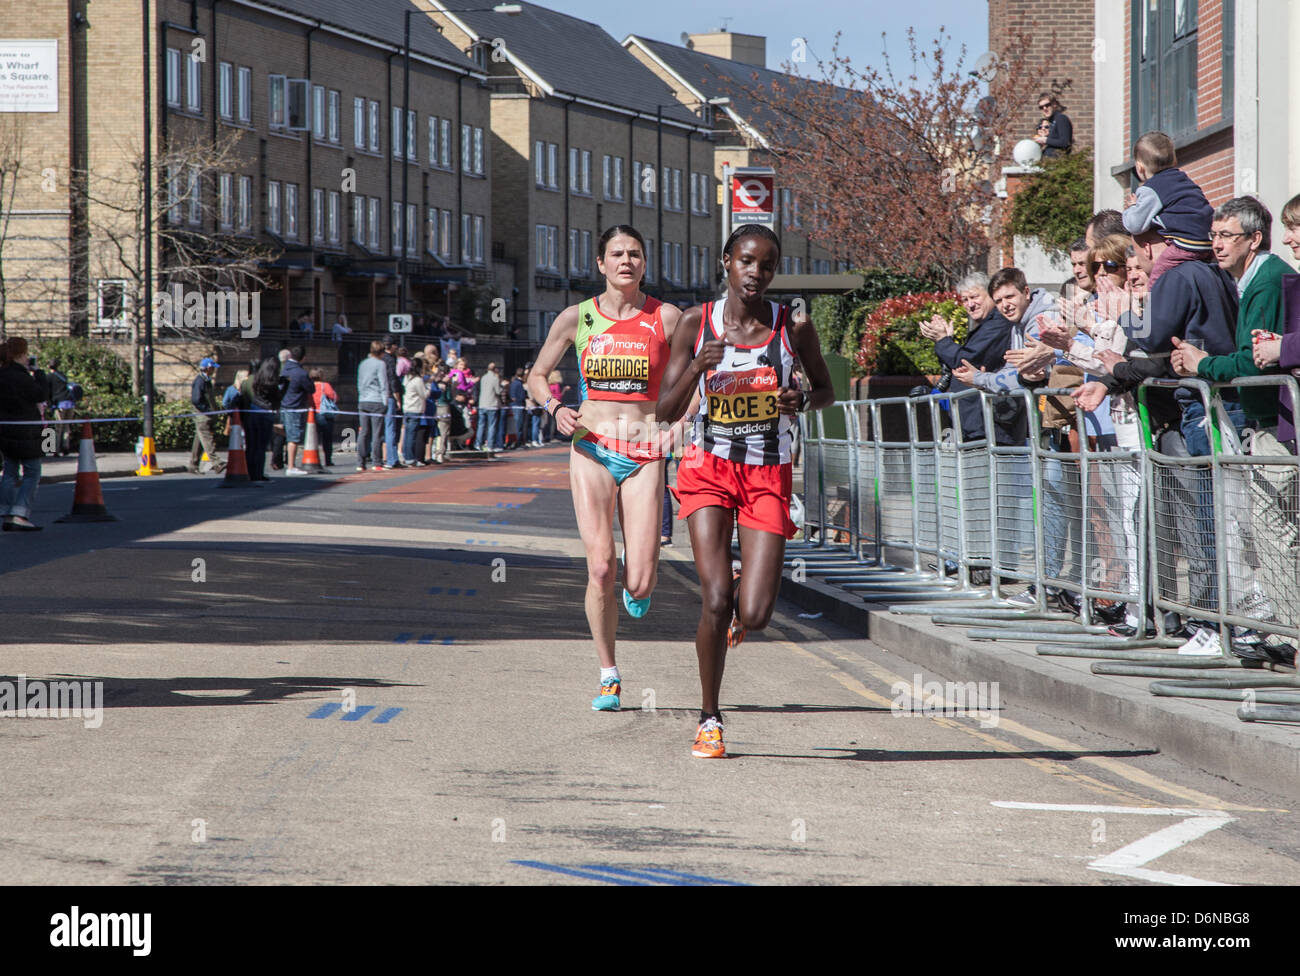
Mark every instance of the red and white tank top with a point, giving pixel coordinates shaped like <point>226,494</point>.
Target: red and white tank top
<point>621,359</point>
<point>738,419</point>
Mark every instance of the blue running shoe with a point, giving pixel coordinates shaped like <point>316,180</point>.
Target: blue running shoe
<point>635,608</point>
<point>607,700</point>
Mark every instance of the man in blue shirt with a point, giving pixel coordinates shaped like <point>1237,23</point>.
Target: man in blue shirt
<point>294,406</point>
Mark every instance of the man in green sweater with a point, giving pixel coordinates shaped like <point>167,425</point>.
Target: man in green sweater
<point>1239,236</point>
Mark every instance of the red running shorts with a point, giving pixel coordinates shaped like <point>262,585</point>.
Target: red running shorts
<point>760,493</point>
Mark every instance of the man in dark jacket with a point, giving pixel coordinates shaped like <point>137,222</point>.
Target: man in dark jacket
<point>203,400</point>
<point>20,443</point>
<point>987,340</point>
<point>1059,138</point>
<point>298,397</point>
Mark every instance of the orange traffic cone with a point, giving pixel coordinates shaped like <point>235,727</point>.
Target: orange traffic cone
<point>87,498</point>
<point>310,460</point>
<point>236,460</point>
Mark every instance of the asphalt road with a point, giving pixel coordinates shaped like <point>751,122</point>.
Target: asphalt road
<point>385,678</point>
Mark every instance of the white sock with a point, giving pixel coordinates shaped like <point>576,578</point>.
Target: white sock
<point>609,674</point>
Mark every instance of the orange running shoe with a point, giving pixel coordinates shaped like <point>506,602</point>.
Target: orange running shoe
<point>607,700</point>
<point>708,741</point>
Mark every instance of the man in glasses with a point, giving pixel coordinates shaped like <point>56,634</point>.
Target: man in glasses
<point>1059,137</point>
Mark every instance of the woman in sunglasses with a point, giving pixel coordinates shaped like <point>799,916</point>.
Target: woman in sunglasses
<point>1059,138</point>
<point>1110,261</point>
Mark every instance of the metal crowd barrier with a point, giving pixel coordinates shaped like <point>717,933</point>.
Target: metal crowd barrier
<point>937,524</point>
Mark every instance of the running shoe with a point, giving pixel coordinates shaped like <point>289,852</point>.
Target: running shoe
<point>1204,643</point>
<point>607,700</point>
<point>636,609</point>
<point>735,633</point>
<point>708,741</point>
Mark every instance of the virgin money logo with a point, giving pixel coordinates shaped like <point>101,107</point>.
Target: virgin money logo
<point>724,383</point>
<point>601,345</point>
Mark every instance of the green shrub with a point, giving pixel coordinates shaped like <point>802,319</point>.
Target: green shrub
<point>1056,204</point>
<point>95,366</point>
<point>840,319</point>
<point>892,344</point>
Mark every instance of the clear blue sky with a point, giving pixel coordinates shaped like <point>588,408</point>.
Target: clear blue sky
<point>860,21</point>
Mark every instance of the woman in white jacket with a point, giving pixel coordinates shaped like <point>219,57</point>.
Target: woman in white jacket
<point>416,392</point>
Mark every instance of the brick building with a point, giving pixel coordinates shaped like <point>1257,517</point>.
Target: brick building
<point>577,150</point>
<point>723,65</point>
<point>309,94</point>
<point>1068,25</point>
<point>1215,76</point>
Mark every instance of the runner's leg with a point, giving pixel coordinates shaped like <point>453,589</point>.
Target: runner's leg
<point>762,557</point>
<point>711,542</point>
<point>594,494</point>
<point>639,503</point>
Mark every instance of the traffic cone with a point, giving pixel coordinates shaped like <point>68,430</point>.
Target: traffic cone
<point>236,460</point>
<point>148,458</point>
<point>310,460</point>
<point>87,498</point>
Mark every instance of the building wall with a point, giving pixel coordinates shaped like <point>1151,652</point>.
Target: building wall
<point>1071,24</point>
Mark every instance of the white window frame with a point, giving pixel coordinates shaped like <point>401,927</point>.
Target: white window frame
<point>273,221</point>
<point>466,152</point>
<point>226,200</point>
<point>245,203</point>
<point>478,225</point>
<point>225,90</point>
<point>375,139</point>
<point>277,116</point>
<point>552,166</point>
<point>244,99</point>
<point>334,129</point>
<point>573,169</point>
<point>412,229</point>
<point>431,230</point>
<point>174,77</point>
<point>478,150</point>
<point>396,229</point>
<point>193,83</point>
<point>332,217</point>
<point>317,214</point>
<point>359,123</point>
<point>376,214</point>
<point>358,219</point>
<point>318,112</point>
<point>466,239</point>
<point>194,194</point>
<point>539,163</point>
<point>650,259</point>
<point>444,144</point>
<point>411,133</point>
<point>291,211</point>
<point>395,132</point>
<point>433,141</point>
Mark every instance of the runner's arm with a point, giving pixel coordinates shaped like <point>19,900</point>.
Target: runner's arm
<point>809,350</point>
<point>681,377</point>
<point>563,331</point>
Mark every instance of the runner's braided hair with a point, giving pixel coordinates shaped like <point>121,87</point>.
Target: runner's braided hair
<point>751,230</point>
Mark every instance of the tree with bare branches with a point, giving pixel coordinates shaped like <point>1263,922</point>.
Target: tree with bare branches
<point>898,171</point>
<point>195,229</point>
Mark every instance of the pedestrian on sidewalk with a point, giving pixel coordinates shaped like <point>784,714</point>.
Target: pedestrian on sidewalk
<point>326,401</point>
<point>372,396</point>
<point>203,398</point>
<point>20,437</point>
<point>259,404</point>
<point>298,397</point>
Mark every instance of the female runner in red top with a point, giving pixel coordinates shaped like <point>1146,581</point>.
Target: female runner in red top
<point>616,463</point>
<point>740,353</point>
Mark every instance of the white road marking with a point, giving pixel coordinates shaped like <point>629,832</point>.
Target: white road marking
<point>1128,861</point>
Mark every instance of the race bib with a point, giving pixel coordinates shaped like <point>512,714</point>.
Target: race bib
<point>618,364</point>
<point>744,402</point>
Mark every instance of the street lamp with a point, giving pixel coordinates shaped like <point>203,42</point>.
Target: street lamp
<point>149,464</point>
<point>510,9</point>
